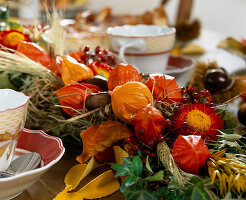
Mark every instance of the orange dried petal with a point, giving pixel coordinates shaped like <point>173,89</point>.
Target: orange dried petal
<point>99,137</point>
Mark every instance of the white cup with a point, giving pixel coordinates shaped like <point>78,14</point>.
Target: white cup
<point>13,110</point>
<point>147,47</point>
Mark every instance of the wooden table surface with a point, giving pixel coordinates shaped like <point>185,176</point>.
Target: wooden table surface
<point>52,182</point>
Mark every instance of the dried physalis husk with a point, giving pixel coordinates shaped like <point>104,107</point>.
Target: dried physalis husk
<point>127,99</point>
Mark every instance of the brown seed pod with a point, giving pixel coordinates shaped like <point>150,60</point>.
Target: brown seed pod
<point>210,76</point>
<point>97,100</point>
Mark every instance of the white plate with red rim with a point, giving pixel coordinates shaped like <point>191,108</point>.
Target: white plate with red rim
<point>32,141</point>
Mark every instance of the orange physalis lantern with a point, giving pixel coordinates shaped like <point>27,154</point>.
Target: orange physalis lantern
<point>35,53</point>
<point>73,71</point>
<point>129,98</point>
<point>163,86</point>
<point>190,153</point>
<point>122,74</point>
<point>149,124</point>
<point>74,96</point>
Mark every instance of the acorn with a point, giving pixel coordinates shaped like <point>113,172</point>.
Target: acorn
<point>242,113</point>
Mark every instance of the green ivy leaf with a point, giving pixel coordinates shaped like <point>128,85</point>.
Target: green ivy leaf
<point>134,191</point>
<point>197,191</point>
<point>127,161</point>
<point>137,166</point>
<point>157,177</point>
<point>174,184</point>
<point>121,170</point>
<point>129,181</point>
<point>231,124</point>
<point>162,192</point>
<point>224,114</point>
<point>148,165</point>
<point>146,195</point>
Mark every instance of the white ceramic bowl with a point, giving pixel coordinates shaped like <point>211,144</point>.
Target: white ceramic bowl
<point>13,110</point>
<point>32,141</point>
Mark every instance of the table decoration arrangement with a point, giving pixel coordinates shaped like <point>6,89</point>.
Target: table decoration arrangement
<point>161,141</point>
<point>168,142</point>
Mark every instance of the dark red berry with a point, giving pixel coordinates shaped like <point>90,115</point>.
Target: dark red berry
<point>128,140</point>
<point>151,143</point>
<point>104,59</point>
<point>99,54</point>
<point>207,93</point>
<point>183,90</point>
<point>143,160</point>
<point>184,100</point>
<point>191,89</point>
<point>86,54</point>
<point>168,123</point>
<point>207,104</point>
<point>211,104</point>
<point>195,101</point>
<point>176,110</point>
<point>86,49</point>
<point>135,147</point>
<point>97,50</point>
<point>161,138</point>
<point>195,95</point>
<point>105,51</point>
<point>152,155</point>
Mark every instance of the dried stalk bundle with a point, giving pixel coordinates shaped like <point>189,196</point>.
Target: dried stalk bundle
<point>10,61</point>
<point>45,114</point>
<point>168,162</point>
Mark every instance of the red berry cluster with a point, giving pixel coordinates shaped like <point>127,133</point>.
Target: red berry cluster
<point>146,150</point>
<point>103,56</point>
<point>202,97</point>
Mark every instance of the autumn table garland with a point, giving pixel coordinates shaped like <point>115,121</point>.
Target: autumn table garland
<point>167,142</point>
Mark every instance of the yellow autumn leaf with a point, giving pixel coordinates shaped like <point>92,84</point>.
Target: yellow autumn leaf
<point>119,153</point>
<point>103,185</point>
<point>78,172</point>
<point>192,49</point>
<point>64,195</point>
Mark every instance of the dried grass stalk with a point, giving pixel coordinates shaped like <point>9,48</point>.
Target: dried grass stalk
<point>168,162</point>
<point>10,61</point>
